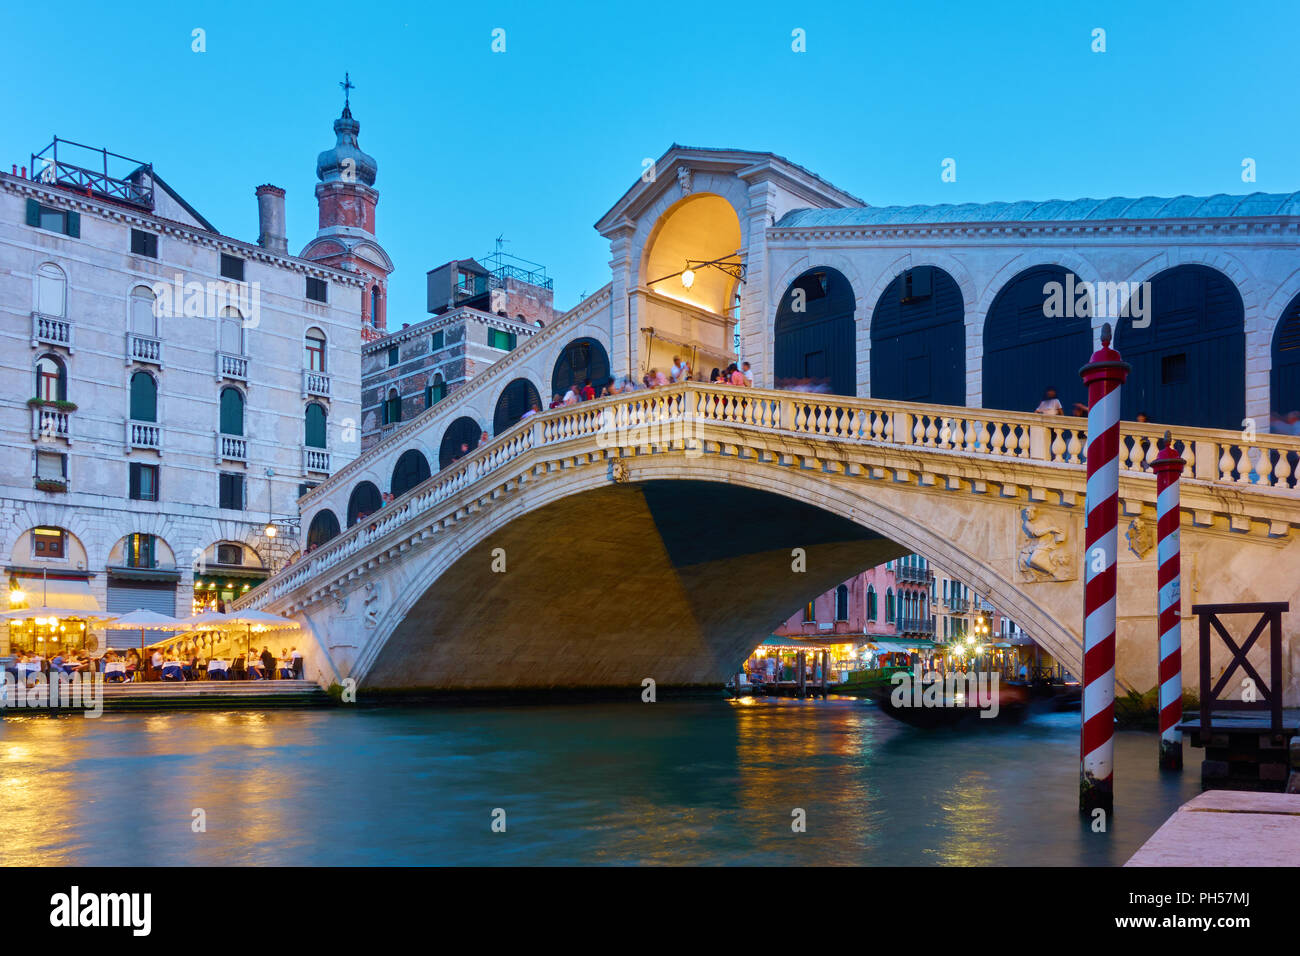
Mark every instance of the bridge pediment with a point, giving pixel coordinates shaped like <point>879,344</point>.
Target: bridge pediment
<point>674,175</point>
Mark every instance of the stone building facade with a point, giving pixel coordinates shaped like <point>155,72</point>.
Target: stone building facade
<point>168,392</point>
<point>409,371</point>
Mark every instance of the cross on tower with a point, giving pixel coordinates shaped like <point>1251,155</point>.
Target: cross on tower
<point>348,86</point>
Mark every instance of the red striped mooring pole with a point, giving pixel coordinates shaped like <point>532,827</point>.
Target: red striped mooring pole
<point>1168,467</point>
<point>1103,375</point>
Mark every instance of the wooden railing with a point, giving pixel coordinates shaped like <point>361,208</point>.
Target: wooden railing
<point>681,413</point>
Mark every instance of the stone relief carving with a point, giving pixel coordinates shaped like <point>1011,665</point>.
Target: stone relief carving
<point>684,177</point>
<point>1044,554</point>
<point>618,471</point>
<point>1141,536</point>
<point>370,615</point>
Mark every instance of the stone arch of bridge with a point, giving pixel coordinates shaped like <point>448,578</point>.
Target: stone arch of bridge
<point>543,506</point>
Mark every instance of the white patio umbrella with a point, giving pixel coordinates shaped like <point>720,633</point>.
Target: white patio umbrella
<point>143,620</point>
<point>54,613</point>
<point>261,620</point>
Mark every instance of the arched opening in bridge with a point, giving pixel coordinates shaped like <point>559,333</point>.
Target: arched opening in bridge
<point>411,469</point>
<point>323,527</point>
<point>364,501</point>
<point>701,228</point>
<point>582,359</point>
<point>686,306</point>
<point>918,339</point>
<point>1284,380</point>
<point>516,398</point>
<point>1038,334</point>
<point>686,576</point>
<point>814,334</point>
<point>461,437</point>
<point>1187,350</point>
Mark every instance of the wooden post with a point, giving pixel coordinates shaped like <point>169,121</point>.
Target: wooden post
<point>802,676</point>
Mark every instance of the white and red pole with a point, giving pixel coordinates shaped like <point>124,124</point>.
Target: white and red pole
<point>1169,468</point>
<point>1103,375</point>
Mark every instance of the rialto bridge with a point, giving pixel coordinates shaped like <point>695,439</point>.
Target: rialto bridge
<point>573,549</point>
<point>655,534</point>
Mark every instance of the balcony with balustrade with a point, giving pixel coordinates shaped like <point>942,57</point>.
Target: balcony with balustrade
<point>315,461</point>
<point>143,348</point>
<point>143,435</point>
<point>230,366</point>
<point>915,625</point>
<point>906,574</point>
<point>49,422</point>
<point>231,447</point>
<point>51,330</point>
<point>315,384</point>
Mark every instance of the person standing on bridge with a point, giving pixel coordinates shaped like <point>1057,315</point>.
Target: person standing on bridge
<point>749,375</point>
<point>1050,405</point>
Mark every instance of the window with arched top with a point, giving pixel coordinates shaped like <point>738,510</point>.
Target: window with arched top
<point>315,354</point>
<point>144,398</point>
<point>889,606</point>
<point>842,603</point>
<point>51,291</point>
<point>232,412</point>
<point>871,603</point>
<point>374,306</point>
<point>51,379</point>
<point>314,425</point>
<point>144,319</point>
<point>232,331</point>
<point>392,408</point>
<point>435,392</point>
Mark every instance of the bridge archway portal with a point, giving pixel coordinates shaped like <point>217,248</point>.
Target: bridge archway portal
<point>515,399</point>
<point>686,577</point>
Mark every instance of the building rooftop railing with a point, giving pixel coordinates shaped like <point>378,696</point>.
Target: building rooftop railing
<point>502,266</point>
<point>97,171</point>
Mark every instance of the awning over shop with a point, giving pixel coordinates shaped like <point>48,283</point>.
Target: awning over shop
<point>67,593</point>
<point>896,647</point>
<point>217,573</point>
<point>800,643</point>
<point>144,574</point>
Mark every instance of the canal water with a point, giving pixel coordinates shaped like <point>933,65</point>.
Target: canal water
<point>696,781</point>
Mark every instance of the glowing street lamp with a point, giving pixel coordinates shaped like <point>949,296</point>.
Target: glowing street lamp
<point>688,278</point>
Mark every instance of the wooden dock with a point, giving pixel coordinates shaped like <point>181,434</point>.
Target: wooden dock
<point>1244,750</point>
<point>1227,828</point>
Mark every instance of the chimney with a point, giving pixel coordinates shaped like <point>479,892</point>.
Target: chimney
<point>270,216</point>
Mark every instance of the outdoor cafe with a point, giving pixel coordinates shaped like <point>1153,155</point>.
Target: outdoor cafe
<point>75,636</point>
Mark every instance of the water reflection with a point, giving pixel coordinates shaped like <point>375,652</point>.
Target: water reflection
<point>705,781</point>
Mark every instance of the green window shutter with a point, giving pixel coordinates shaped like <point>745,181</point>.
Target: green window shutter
<point>232,412</point>
<point>134,483</point>
<point>144,398</point>
<point>74,224</point>
<point>33,213</point>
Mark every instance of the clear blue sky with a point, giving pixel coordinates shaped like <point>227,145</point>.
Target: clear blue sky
<point>538,142</point>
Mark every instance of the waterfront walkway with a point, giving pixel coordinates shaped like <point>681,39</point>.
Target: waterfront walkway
<point>200,695</point>
<point>1227,828</point>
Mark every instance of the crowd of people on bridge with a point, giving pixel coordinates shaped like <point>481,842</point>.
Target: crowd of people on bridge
<point>738,375</point>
